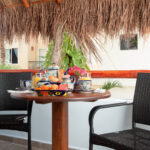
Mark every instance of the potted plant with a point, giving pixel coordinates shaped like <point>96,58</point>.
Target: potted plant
<point>109,85</point>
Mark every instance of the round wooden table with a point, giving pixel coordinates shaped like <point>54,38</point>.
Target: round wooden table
<point>60,112</point>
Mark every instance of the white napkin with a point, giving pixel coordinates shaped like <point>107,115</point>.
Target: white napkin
<point>19,92</point>
<point>98,90</point>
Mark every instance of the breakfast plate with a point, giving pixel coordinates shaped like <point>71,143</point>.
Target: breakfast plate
<point>20,91</point>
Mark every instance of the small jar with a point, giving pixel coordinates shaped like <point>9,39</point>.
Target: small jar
<point>70,81</point>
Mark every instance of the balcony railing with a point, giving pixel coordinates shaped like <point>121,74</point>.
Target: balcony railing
<point>35,64</point>
<point>95,73</point>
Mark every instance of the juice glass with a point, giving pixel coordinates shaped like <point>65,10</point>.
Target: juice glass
<point>38,77</point>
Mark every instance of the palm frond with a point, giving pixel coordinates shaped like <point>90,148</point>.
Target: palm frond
<point>109,85</point>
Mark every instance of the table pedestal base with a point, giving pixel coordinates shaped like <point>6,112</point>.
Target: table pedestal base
<point>60,126</point>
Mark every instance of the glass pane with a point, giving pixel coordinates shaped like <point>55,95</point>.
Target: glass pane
<point>14,55</point>
<point>8,56</point>
<point>129,43</point>
<point>42,54</point>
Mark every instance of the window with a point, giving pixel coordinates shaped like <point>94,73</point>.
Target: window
<point>42,54</point>
<point>128,42</point>
<point>11,56</point>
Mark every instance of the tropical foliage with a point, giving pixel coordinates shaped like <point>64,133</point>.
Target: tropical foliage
<point>109,85</point>
<point>48,57</point>
<point>71,55</point>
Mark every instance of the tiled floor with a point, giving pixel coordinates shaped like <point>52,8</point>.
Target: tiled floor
<point>12,146</point>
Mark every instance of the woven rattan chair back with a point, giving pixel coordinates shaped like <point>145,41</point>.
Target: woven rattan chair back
<point>141,107</point>
<point>10,81</point>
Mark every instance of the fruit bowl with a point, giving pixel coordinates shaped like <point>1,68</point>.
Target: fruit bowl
<point>51,92</point>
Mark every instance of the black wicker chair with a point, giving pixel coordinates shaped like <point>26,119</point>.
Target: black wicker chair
<point>132,139</point>
<point>20,121</point>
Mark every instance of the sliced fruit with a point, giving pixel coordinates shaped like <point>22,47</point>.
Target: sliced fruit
<point>53,79</point>
<point>37,79</point>
<point>61,71</point>
<point>38,88</point>
<point>54,87</point>
<point>63,87</point>
<point>45,87</point>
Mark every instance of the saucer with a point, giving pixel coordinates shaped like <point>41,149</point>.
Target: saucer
<point>81,91</point>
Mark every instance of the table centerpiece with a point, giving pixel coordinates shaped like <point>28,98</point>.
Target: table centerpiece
<point>83,78</point>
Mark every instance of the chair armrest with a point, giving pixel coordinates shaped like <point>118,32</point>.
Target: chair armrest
<point>96,108</point>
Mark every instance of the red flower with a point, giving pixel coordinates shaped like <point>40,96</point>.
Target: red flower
<point>77,71</point>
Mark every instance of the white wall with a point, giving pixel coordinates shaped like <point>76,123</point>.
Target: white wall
<point>115,59</point>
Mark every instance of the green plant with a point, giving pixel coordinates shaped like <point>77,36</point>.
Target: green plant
<point>133,41</point>
<point>48,57</point>
<point>109,85</point>
<point>71,55</point>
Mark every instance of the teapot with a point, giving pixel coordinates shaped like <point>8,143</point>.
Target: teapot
<point>70,81</point>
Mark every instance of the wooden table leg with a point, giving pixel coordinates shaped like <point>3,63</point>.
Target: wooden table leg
<point>60,126</point>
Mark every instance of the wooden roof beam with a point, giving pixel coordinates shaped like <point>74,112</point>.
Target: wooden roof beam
<point>26,3</point>
<point>22,4</point>
<point>59,1</point>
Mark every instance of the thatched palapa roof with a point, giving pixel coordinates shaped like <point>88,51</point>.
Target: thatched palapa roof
<point>81,17</point>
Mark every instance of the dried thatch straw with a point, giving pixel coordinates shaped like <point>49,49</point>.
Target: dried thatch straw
<point>82,18</point>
